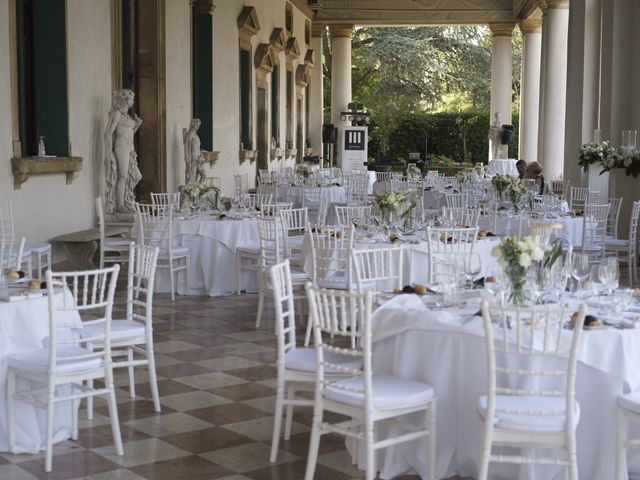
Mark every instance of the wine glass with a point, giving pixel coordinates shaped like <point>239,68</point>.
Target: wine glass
<point>495,282</point>
<point>580,268</point>
<point>609,274</point>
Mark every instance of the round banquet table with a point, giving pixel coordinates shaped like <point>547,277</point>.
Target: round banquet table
<point>24,327</point>
<point>503,166</point>
<point>334,193</point>
<point>447,350</point>
<point>509,224</point>
<point>213,244</point>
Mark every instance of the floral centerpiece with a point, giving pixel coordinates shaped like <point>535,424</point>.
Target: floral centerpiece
<point>389,203</point>
<point>516,254</point>
<point>198,192</point>
<point>500,183</point>
<point>303,170</point>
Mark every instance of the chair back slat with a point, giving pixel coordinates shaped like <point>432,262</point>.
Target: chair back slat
<point>140,283</point>
<point>280,276</point>
<point>380,268</point>
<point>342,325</point>
<point>155,224</point>
<point>90,294</point>
<point>352,214</point>
<point>166,199</point>
<point>331,254</point>
<point>532,352</point>
<point>446,245</point>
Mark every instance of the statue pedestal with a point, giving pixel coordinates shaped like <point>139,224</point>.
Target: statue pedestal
<point>120,219</point>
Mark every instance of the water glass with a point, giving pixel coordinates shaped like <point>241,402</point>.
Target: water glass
<point>496,284</point>
<point>609,274</point>
<point>580,268</point>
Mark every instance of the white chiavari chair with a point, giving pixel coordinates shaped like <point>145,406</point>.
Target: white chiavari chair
<point>350,214</point>
<point>172,199</point>
<point>155,225</point>
<point>447,245</point>
<point>255,201</point>
<point>380,269</point>
<point>63,366</point>
<point>274,209</point>
<point>530,401</point>
<point>112,249</point>
<point>594,231</point>
<point>323,209</point>
<point>560,188</point>
<point>468,216</point>
<point>295,221</point>
<point>296,365</point>
<point>580,196</point>
<point>133,334</point>
<point>11,254</point>
<point>545,231</point>
<point>613,218</point>
<point>626,249</point>
<point>42,251</point>
<point>457,200</point>
<point>273,250</point>
<point>366,397</point>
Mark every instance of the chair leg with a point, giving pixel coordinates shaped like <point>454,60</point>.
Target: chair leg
<point>307,334</point>
<point>431,455</point>
<point>113,418</point>
<point>314,442</point>
<point>186,273</point>
<point>153,380</point>
<point>483,473</point>
<point>371,453</point>
<point>90,401</point>
<point>238,272</point>
<point>132,380</point>
<point>621,450</point>
<point>49,431</point>
<point>11,409</point>
<point>289,416</point>
<point>260,298</point>
<point>173,294</point>
<point>277,421</point>
<point>75,404</point>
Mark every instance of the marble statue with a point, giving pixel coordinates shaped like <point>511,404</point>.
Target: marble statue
<point>122,173</point>
<point>193,158</point>
<point>495,136</point>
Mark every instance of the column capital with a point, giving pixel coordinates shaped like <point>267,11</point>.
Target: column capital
<point>317,29</point>
<point>557,4</point>
<point>531,25</point>
<point>501,29</point>
<point>341,31</point>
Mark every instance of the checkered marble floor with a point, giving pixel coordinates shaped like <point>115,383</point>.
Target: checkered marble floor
<point>216,378</point>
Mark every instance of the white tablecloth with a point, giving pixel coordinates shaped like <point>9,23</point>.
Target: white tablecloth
<point>509,224</point>
<point>504,166</point>
<point>447,350</point>
<point>335,194</point>
<point>24,325</point>
<point>213,245</point>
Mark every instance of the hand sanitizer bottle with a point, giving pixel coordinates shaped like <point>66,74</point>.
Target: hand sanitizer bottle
<point>41,150</point>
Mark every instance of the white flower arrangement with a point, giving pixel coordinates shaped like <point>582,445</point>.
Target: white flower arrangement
<point>390,201</point>
<point>197,189</point>
<point>516,255</point>
<point>304,170</point>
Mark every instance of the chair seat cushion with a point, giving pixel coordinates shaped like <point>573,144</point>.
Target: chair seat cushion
<point>38,247</point>
<point>544,422</point>
<point>174,251</point>
<point>120,330</point>
<point>253,251</point>
<point>38,361</point>
<point>630,402</point>
<point>616,242</point>
<point>117,242</point>
<point>304,360</point>
<point>389,392</point>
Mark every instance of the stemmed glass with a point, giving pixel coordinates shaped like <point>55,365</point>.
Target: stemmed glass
<point>496,283</point>
<point>580,268</point>
<point>609,274</point>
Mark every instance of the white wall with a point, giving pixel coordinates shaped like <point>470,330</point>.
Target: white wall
<point>178,86</point>
<point>226,72</point>
<point>45,206</point>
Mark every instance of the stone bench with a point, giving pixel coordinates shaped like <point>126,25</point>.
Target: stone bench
<point>80,247</point>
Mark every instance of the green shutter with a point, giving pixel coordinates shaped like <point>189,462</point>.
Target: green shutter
<point>245,93</point>
<point>275,83</point>
<point>202,78</point>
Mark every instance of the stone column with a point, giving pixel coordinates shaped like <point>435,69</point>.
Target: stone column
<point>555,88</point>
<point>315,91</point>
<point>501,63</point>
<point>583,102</point>
<point>530,88</point>
<point>543,56</point>
<point>340,71</point>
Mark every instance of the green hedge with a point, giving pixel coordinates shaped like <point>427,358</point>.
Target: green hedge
<point>443,137</point>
